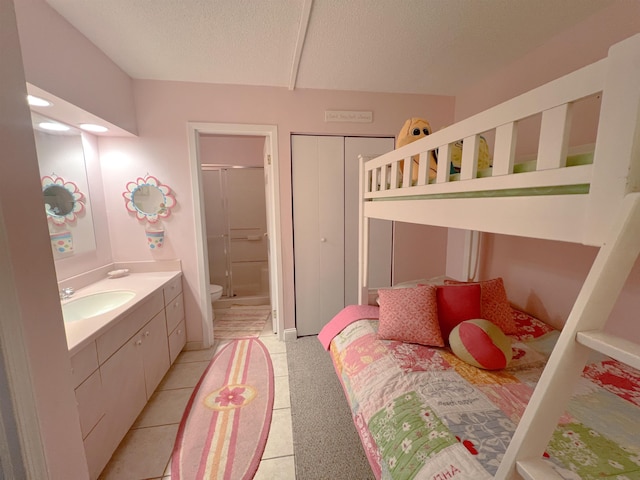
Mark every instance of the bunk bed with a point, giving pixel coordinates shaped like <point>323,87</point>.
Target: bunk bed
<point>596,203</point>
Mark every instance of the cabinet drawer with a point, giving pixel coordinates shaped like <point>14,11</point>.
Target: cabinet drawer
<point>90,400</point>
<point>127,327</point>
<point>83,364</point>
<point>98,448</point>
<point>177,340</point>
<point>175,313</point>
<point>172,289</point>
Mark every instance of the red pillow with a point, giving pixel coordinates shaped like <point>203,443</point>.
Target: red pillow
<point>410,315</point>
<point>494,304</point>
<point>457,303</point>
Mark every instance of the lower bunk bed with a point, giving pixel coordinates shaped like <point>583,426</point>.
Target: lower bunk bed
<point>422,412</point>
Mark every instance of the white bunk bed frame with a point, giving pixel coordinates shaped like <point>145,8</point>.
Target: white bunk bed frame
<point>608,216</point>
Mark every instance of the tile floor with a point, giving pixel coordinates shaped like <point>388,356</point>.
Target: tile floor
<point>145,452</point>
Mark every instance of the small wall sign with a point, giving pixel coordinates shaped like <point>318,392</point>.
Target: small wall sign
<point>348,116</point>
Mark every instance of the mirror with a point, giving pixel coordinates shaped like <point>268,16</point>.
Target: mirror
<point>65,187</point>
<point>62,200</point>
<point>149,199</point>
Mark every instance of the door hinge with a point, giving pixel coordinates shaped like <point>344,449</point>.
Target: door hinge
<point>268,159</point>
<point>275,314</point>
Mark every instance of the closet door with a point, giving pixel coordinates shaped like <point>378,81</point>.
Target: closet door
<point>318,223</point>
<point>381,231</point>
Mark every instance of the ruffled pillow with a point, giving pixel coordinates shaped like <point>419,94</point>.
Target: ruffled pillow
<point>410,315</point>
<point>494,304</point>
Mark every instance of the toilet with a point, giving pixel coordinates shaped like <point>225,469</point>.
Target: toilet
<point>215,291</point>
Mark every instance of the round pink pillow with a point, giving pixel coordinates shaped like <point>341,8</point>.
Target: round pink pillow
<point>481,343</point>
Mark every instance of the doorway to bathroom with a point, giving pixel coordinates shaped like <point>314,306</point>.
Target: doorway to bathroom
<point>202,141</point>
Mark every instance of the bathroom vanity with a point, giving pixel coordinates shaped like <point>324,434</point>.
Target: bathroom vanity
<point>119,357</point>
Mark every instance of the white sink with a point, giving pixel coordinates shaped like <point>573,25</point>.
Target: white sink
<point>95,304</point>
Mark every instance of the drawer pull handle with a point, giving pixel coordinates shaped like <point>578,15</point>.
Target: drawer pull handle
<point>179,332</point>
<point>139,342</point>
<point>146,334</point>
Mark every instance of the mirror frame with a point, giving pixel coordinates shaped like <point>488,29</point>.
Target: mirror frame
<point>72,188</point>
<point>164,210</point>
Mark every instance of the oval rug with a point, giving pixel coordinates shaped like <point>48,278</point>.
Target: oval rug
<point>225,425</point>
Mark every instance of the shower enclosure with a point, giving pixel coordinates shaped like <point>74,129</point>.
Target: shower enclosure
<point>236,225</point>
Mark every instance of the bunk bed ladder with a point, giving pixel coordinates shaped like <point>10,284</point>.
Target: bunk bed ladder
<point>582,334</point>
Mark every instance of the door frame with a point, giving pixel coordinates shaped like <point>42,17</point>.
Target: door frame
<point>270,132</point>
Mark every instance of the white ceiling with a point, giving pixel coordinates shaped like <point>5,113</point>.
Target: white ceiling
<point>410,46</point>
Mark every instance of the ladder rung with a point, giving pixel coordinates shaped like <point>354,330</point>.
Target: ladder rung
<point>621,349</point>
<point>536,470</point>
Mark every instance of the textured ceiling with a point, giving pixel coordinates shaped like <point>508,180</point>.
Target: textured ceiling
<point>412,46</point>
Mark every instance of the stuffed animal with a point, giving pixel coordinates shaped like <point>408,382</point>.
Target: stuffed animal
<point>484,158</point>
<point>414,129</point>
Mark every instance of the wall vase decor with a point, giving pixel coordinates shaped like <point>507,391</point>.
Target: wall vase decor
<point>155,238</point>
<point>62,242</point>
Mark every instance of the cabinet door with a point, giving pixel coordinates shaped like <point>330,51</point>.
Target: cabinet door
<point>380,231</point>
<point>124,390</point>
<point>318,224</point>
<point>155,352</point>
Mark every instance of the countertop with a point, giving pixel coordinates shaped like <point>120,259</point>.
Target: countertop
<point>82,332</point>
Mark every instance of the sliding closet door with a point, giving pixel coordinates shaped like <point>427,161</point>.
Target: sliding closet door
<point>381,231</point>
<point>318,213</point>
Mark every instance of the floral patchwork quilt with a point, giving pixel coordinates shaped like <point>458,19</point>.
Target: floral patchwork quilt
<point>423,413</point>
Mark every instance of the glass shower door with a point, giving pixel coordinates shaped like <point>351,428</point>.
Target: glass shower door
<point>217,227</point>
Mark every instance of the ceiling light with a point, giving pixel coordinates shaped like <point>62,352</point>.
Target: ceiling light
<point>37,101</point>
<point>56,127</point>
<point>91,127</point>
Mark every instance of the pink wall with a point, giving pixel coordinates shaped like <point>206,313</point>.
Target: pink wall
<point>420,251</point>
<point>232,150</point>
<point>544,277</point>
<point>164,108</point>
<point>60,60</point>
<point>31,313</point>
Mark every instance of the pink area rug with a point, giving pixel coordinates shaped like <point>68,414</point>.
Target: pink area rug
<point>240,321</point>
<point>225,426</point>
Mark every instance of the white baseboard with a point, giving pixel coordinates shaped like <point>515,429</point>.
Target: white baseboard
<point>290,335</point>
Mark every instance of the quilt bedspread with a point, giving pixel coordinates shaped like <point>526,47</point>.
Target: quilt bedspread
<point>422,413</point>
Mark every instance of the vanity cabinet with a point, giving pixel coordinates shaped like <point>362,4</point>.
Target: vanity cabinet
<point>116,374</point>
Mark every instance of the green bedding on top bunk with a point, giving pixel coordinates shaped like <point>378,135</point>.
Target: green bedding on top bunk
<point>528,166</point>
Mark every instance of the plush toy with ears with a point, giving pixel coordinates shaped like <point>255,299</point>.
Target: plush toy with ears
<point>484,157</point>
<point>414,129</point>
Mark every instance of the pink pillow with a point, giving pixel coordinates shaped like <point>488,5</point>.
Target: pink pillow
<point>457,303</point>
<point>410,315</point>
<point>494,303</point>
